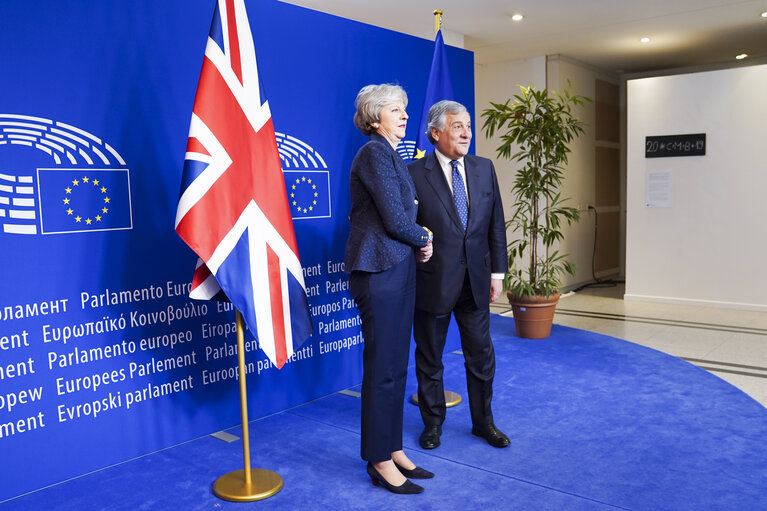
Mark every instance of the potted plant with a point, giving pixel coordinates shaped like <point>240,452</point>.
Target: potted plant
<point>540,126</point>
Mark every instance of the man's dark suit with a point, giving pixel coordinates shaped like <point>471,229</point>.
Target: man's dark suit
<point>457,279</point>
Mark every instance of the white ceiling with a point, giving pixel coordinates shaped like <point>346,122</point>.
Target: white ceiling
<point>602,33</point>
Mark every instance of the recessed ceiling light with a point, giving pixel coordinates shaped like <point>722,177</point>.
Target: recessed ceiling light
<point>517,17</point>
<point>644,40</point>
<point>741,56</point>
<point>764,14</point>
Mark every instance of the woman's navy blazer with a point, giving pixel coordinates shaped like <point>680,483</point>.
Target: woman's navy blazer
<point>383,209</point>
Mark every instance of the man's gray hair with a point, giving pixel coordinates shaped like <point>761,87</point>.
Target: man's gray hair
<point>438,115</point>
<point>371,99</point>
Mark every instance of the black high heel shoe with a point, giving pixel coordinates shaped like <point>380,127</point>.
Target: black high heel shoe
<point>416,473</point>
<point>406,488</point>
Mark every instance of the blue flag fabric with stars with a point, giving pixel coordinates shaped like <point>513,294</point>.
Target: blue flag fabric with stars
<point>78,200</point>
<point>438,88</point>
<point>308,193</point>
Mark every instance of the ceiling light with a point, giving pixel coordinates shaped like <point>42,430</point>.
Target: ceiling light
<point>764,14</point>
<point>644,40</point>
<point>741,56</point>
<point>517,17</point>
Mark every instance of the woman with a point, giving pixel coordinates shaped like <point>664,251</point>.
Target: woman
<point>383,244</point>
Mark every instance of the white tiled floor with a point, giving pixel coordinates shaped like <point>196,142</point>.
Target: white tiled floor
<point>732,344</point>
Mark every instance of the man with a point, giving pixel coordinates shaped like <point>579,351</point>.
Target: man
<point>460,202</point>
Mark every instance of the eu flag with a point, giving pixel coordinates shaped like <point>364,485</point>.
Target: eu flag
<point>81,200</point>
<point>308,193</point>
<point>438,88</point>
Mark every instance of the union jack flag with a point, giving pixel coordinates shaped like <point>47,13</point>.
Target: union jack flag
<point>233,210</point>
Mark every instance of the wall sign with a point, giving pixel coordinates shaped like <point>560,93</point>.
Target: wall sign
<point>675,145</point>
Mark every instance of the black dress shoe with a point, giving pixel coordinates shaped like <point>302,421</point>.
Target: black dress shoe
<point>406,488</point>
<point>416,473</point>
<point>430,437</point>
<point>492,434</point>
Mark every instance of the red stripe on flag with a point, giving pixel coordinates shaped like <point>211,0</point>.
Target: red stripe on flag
<point>200,274</point>
<point>195,146</point>
<point>234,41</point>
<point>255,172</point>
<point>278,319</point>
<point>246,164</point>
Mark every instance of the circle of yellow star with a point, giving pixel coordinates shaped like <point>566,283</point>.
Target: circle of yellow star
<point>69,201</point>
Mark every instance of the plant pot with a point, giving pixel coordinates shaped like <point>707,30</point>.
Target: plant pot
<point>533,315</point>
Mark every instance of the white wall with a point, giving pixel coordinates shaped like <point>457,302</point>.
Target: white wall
<point>499,82</point>
<point>710,247</point>
<point>580,171</point>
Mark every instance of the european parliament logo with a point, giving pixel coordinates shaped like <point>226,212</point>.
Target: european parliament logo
<point>408,151</point>
<point>307,178</point>
<point>56,178</point>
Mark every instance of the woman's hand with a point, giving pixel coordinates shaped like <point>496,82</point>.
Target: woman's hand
<point>424,253</point>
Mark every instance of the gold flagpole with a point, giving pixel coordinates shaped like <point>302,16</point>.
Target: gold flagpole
<point>451,398</point>
<point>249,484</point>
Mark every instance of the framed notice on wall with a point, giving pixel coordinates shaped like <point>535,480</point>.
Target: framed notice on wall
<point>658,189</point>
<point>675,145</point>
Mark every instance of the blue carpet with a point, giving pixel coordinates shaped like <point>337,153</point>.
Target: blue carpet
<point>596,423</point>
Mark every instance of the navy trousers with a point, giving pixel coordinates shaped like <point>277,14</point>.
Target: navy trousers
<point>386,301</point>
<point>430,332</point>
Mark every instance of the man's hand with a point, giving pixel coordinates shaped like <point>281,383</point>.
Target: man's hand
<point>496,286</point>
<point>424,253</point>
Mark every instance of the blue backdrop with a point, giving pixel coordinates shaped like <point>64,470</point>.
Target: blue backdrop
<point>102,356</point>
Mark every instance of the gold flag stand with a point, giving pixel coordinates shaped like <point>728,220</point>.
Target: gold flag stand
<point>249,484</point>
<point>451,398</point>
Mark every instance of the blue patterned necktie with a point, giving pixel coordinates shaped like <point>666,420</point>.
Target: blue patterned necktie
<point>459,195</point>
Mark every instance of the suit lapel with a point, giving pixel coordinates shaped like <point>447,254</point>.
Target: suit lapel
<point>473,182</point>
<point>436,178</point>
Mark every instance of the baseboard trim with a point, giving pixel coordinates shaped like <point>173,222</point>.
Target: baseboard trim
<point>700,303</point>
